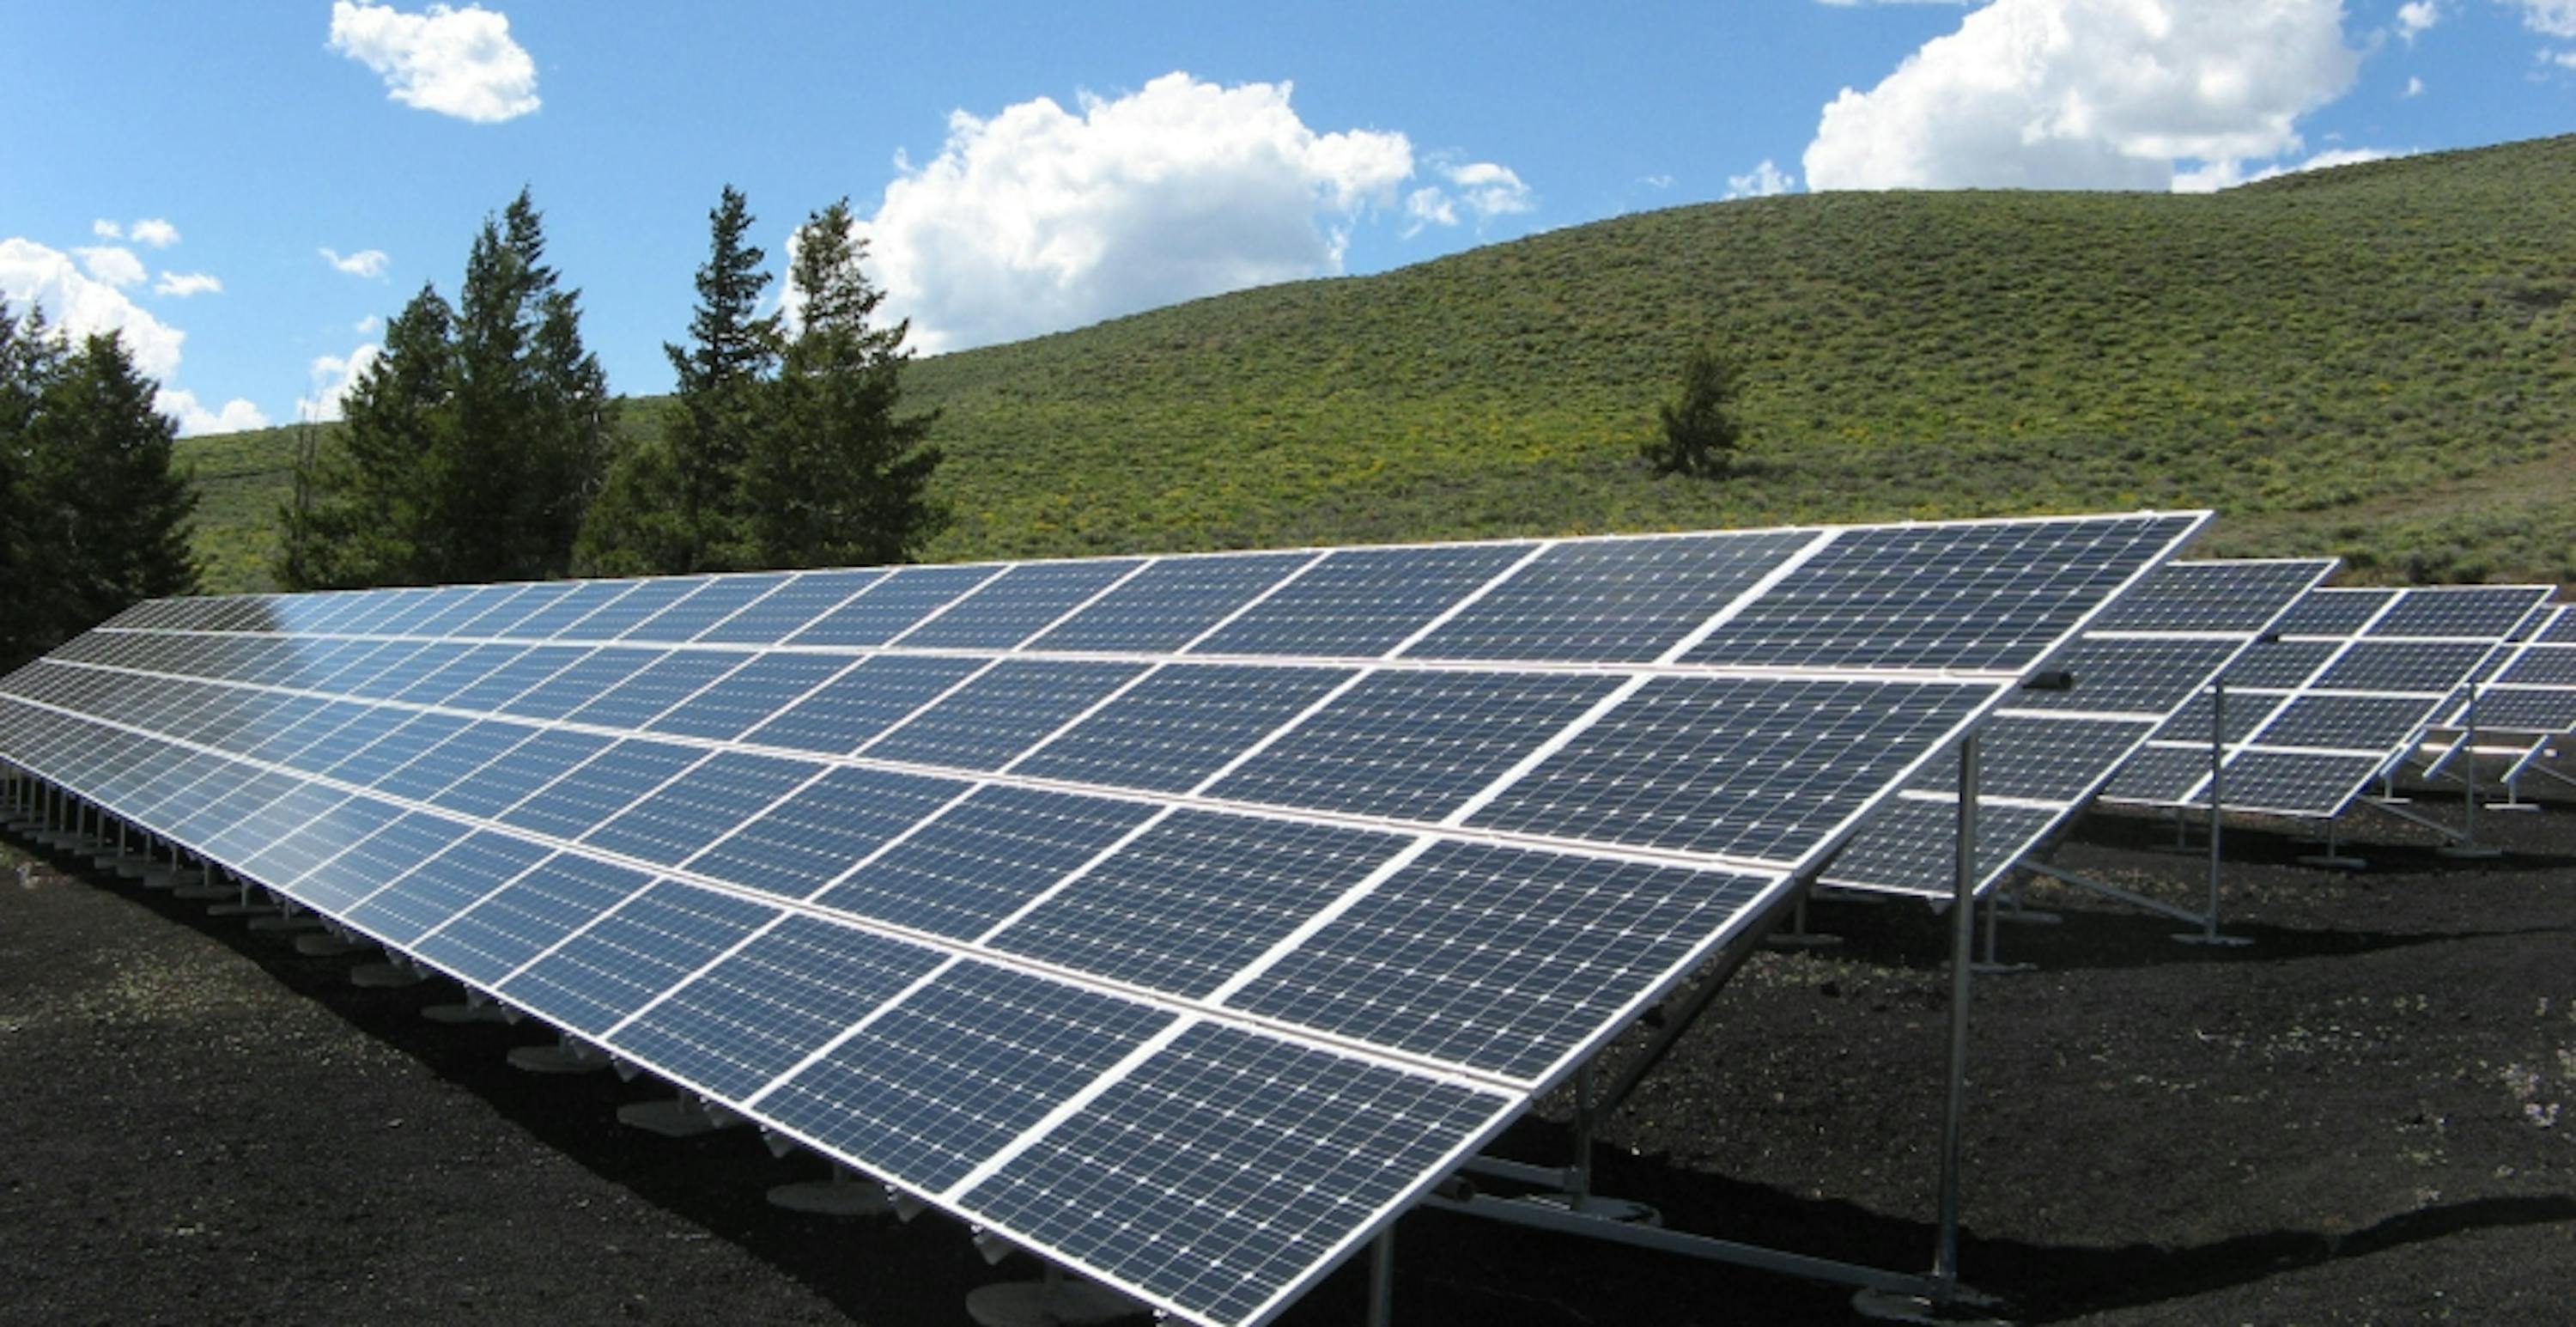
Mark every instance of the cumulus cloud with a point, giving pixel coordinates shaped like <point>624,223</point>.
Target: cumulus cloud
<point>459,62</point>
<point>1764,180</point>
<point>2417,16</point>
<point>79,304</point>
<point>332,376</point>
<point>2088,94</point>
<point>33,274</point>
<point>153,232</point>
<point>106,229</point>
<point>117,267</point>
<point>365,262</point>
<point>180,285</point>
<point>368,326</point>
<point>194,418</point>
<point>1040,218</point>
<point>2414,88</point>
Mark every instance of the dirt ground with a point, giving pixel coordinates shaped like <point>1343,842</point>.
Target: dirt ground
<point>2356,1118</point>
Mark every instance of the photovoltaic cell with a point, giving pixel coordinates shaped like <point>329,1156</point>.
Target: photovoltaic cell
<point>444,885</point>
<point>1002,712</point>
<point>1017,604</point>
<point>1739,766</point>
<point>959,1068</point>
<point>2371,723</point>
<point>2335,612</point>
<point>600,787</point>
<point>685,816</point>
<point>1911,846</point>
<point>581,682</point>
<point>1362,602</point>
<point>2132,675</point>
<point>756,1014</point>
<point>656,687</point>
<point>1183,905</point>
<point>845,713</point>
<point>1179,725</point>
<point>1228,1163</point>
<point>1413,746</point>
<point>1627,600</point>
<point>2378,665</point>
<point>2228,596</point>
<point>535,762</point>
<point>746,697</point>
<point>984,858</point>
<point>1171,602</point>
<point>610,968</point>
<point>2486,612</point>
<point>813,837</point>
<point>1936,596</point>
<point>524,918</point>
<point>785,611</point>
<point>1495,957</point>
<point>892,606</point>
<point>711,603</point>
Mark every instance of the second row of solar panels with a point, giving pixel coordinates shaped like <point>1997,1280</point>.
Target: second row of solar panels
<point>1860,597</point>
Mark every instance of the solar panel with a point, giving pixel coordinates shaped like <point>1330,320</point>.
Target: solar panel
<point>2531,689</point>
<point>1181,918</point>
<point>2146,662</point>
<point>2358,675</point>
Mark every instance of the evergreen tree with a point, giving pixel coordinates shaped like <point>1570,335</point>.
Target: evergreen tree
<point>1700,437</point>
<point>360,512</point>
<point>674,504</point>
<point>838,477</point>
<point>30,354</point>
<point>108,516</point>
<point>474,443</point>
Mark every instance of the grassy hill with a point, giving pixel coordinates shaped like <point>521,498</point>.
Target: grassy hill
<point>2377,361</point>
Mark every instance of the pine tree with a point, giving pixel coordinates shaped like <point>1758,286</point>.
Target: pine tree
<point>108,515</point>
<point>1700,437</point>
<point>30,354</point>
<point>674,504</point>
<point>360,512</point>
<point>474,443</point>
<point>838,477</point>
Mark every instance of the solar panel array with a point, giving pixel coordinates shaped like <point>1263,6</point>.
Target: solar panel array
<point>2311,718</point>
<point>1181,919</point>
<point>2532,687</point>
<point>2045,754</point>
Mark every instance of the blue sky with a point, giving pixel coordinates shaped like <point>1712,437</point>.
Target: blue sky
<point>245,189</point>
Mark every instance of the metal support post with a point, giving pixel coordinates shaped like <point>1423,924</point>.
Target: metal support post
<point>1963,939</point>
<point>2468,846</point>
<point>2208,933</point>
<point>1381,1310</point>
<point>1579,1175</point>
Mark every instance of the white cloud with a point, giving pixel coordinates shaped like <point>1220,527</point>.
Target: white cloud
<point>2228,174</point>
<point>2563,59</point>
<point>153,232</point>
<point>2088,94</point>
<point>2414,88</point>
<point>115,266</point>
<point>1430,206</point>
<point>194,418</point>
<point>1657,181</point>
<point>1038,218</point>
<point>180,285</point>
<point>368,326</point>
<point>458,62</point>
<point>2417,16</point>
<point>1855,4</point>
<point>2556,18</point>
<point>1762,181</point>
<point>332,376</point>
<point>365,262</point>
<point>1484,188</point>
<point>33,274</point>
<point>106,229</point>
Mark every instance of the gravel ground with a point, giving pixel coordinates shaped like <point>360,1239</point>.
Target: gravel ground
<point>2357,1118</point>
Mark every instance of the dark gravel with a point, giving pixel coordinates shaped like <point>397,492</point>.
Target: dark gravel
<point>2355,1119</point>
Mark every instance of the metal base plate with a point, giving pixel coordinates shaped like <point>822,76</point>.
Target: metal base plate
<point>469,1013</point>
<point>1049,1304</point>
<point>675,1118</point>
<point>558,1060</point>
<point>2333,861</point>
<point>840,1198</point>
<point>1889,1306</point>
<point>2213,941</point>
<point>2462,853</point>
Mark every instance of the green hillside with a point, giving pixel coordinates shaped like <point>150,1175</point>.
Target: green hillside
<point>2377,361</point>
